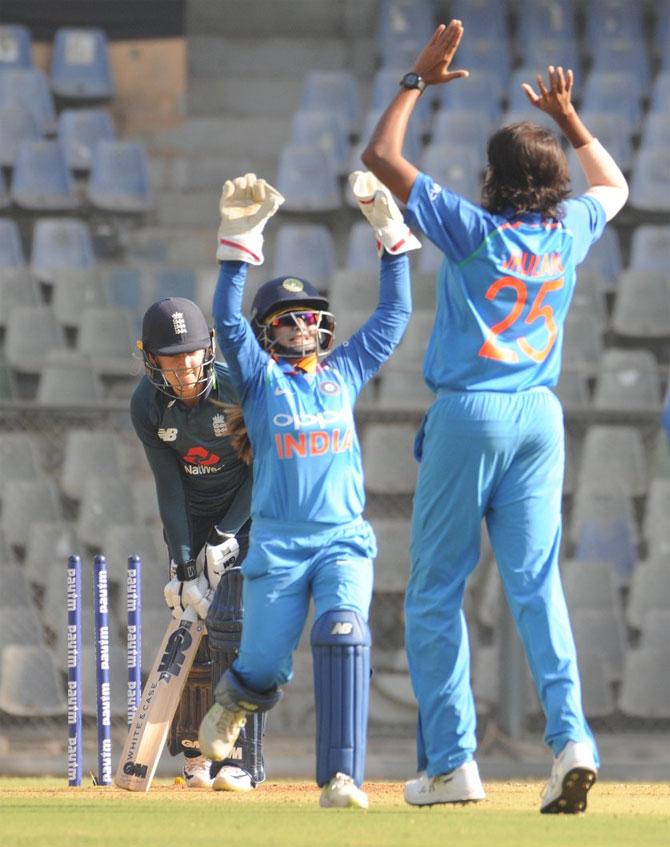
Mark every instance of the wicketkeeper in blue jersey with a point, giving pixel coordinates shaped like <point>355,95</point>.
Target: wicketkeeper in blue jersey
<point>297,391</point>
<point>491,445</point>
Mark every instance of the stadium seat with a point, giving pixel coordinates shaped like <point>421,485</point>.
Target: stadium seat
<point>613,20</point>
<point>481,53</point>
<point>614,92</point>
<point>41,180</point>
<point>60,243</point>
<point>336,92</point>
<point>430,257</point>
<point>29,88</point>
<point>17,124</point>
<point>102,499</point>
<point>384,89</point>
<point>454,166</point>
<point>68,384</point>
<point>390,467</point>
<point>29,684</point>
<point>120,541</point>
<point>656,631</point>
<point>118,677</point>
<point>597,690</point>
<point>49,545</point>
<point>650,248</point>
<point>15,47</point>
<point>543,51</point>
<point>5,199</point>
<point>171,282</point>
<point>589,296</point>
<point>88,453</point>
<point>324,130</point>
<point>650,183</point>
<point>107,339</point>
<point>660,455</point>
<point>613,456</point>
<point>645,689</point>
<point>19,459</point>
<point>469,128</point>
<point>125,288</point>
<point>11,248</point>
<point>483,87</point>
<point>22,622</point>
<point>660,94</point>
<point>604,258</point>
<point>352,290</point>
<point>590,585</point>
<point>79,131</point>
<point>33,334</point>
<point>603,528</point>
<point>404,390</point>
<point>642,307</point>
<point>25,502</point>
<point>614,135</point>
<point>7,388</point>
<point>628,381</point>
<point>413,144</point>
<point>399,19</point>
<point>307,177</point>
<point>546,19</point>
<point>601,631</point>
<point>306,250</point>
<point>15,590</point>
<point>649,589</point>
<point>573,389</point>
<point>657,508</point>
<point>17,288</point>
<point>80,67</point>
<point>119,180</point>
<point>656,131</point>
<point>582,341</point>
<point>484,18</point>
<point>361,254</point>
<point>411,350</point>
<point>74,290</point>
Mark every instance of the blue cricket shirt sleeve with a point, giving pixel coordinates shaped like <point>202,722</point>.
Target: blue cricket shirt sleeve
<point>244,356</point>
<point>369,347</point>
<point>585,218</point>
<point>451,222</point>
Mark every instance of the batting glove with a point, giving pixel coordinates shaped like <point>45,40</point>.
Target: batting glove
<point>246,204</point>
<point>192,590</point>
<point>377,204</point>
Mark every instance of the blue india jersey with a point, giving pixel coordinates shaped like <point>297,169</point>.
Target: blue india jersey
<point>307,466</point>
<point>503,290</point>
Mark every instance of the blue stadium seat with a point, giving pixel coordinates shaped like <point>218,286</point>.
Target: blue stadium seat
<point>384,89</point>
<point>467,128</point>
<point>629,57</point>
<point>60,243</point>
<point>529,113</point>
<point>79,130</point>
<point>604,530</point>
<point>41,180</point>
<point>613,20</point>
<point>612,132</point>
<point>656,132</point>
<point>404,18</point>
<point>615,92</point>
<point>650,248</point>
<point>642,307</point>
<point>335,91</point>
<point>173,282</point>
<point>661,31</point>
<point>650,183</point>
<point>307,177</point>
<point>553,19</point>
<point>604,258</point>
<point>11,249</point>
<point>412,146</point>
<point>119,180</point>
<point>628,381</point>
<point>457,167</point>
<point>124,288</point>
<point>483,19</point>
<point>29,88</point>
<point>17,288</point>
<point>660,94</point>
<point>5,199</point>
<point>306,250</point>
<point>325,130</point>
<point>17,124</point>
<point>80,67</point>
<point>482,87</point>
<point>15,47</point>
<point>484,53</point>
<point>361,252</point>
<point>430,257</point>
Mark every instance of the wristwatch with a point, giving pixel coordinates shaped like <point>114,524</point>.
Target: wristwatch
<point>413,80</point>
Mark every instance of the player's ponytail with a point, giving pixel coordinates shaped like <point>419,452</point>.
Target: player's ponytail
<point>237,432</point>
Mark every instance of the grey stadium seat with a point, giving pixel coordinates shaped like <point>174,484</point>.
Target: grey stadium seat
<point>25,503</point>
<point>88,453</point>
<point>390,467</point>
<point>29,683</point>
<point>628,380</point>
<point>642,308</point>
<point>614,456</point>
<point>645,690</point>
<point>392,562</point>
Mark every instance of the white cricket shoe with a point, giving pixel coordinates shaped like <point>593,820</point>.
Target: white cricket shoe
<point>462,785</point>
<point>232,778</point>
<point>219,730</point>
<point>573,773</point>
<point>343,793</point>
<point>196,772</point>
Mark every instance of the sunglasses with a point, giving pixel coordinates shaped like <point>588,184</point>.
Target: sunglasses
<point>291,318</point>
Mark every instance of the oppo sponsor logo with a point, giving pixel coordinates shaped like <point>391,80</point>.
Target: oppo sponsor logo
<point>319,420</point>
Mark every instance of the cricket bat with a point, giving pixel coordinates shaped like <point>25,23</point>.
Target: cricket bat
<point>160,698</point>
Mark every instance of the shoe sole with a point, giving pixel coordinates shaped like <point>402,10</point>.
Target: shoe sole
<point>572,800</point>
<point>198,784</point>
<point>239,788</point>
<point>352,804</point>
<point>446,802</point>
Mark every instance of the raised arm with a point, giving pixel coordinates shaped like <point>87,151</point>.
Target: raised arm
<point>383,154</point>
<point>606,182</point>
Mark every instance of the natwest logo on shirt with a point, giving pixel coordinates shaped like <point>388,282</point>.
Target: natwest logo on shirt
<point>199,460</point>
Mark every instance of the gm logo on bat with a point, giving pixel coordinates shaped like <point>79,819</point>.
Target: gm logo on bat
<point>135,769</point>
<point>173,658</point>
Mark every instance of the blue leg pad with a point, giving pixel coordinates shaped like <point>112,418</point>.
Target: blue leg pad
<point>341,652</point>
<point>233,694</point>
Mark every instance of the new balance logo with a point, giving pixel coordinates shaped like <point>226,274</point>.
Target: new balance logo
<point>342,628</point>
<point>168,434</point>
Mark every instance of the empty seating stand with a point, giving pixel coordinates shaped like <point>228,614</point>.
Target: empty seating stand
<point>41,180</point>
<point>119,178</point>
<point>80,68</point>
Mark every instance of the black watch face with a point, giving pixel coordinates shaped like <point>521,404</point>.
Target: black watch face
<point>410,80</point>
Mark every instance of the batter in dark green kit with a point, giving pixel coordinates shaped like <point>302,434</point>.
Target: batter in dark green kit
<point>184,411</point>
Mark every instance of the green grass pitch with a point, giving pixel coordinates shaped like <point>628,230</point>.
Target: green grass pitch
<point>45,813</point>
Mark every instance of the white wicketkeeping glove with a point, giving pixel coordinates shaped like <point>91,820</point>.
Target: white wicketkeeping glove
<point>194,593</point>
<point>377,204</point>
<point>246,204</point>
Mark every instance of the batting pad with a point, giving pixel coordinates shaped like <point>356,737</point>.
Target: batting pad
<point>341,653</point>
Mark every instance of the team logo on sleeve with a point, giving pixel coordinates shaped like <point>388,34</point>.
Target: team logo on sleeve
<point>434,192</point>
<point>219,425</point>
<point>329,387</point>
<point>168,433</point>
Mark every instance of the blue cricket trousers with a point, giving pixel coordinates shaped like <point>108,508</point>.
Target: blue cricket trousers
<point>499,457</point>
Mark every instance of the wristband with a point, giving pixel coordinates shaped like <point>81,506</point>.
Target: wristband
<point>187,572</point>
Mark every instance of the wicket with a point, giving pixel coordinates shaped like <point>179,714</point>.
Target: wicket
<point>75,752</point>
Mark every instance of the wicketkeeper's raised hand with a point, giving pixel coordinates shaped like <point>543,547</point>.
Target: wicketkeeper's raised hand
<point>246,204</point>
<point>377,204</point>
